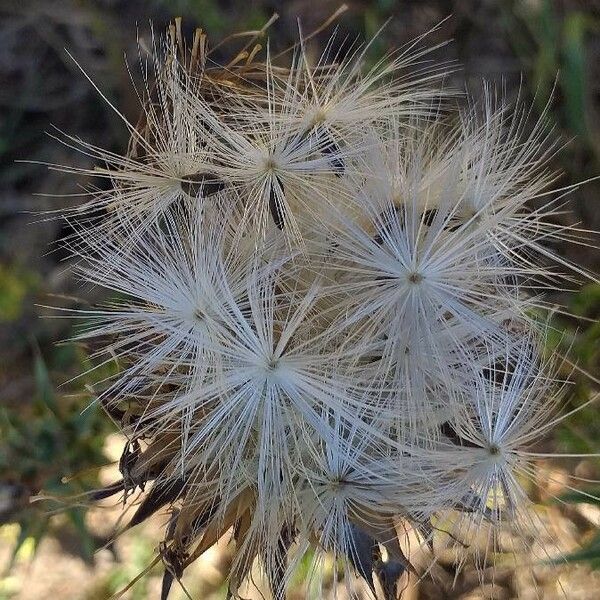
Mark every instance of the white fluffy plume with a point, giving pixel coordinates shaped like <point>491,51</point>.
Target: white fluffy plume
<point>321,285</point>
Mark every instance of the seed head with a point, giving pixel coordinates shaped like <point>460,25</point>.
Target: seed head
<point>323,326</point>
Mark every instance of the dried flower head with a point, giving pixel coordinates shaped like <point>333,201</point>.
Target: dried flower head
<point>323,324</point>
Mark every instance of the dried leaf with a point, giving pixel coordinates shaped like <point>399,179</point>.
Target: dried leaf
<point>108,491</point>
<point>167,582</point>
<point>159,495</point>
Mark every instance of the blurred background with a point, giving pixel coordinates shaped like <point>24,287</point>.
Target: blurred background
<point>52,441</point>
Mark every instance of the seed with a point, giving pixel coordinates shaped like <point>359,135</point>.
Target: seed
<point>201,184</point>
<point>428,216</point>
<point>275,207</point>
<point>334,150</point>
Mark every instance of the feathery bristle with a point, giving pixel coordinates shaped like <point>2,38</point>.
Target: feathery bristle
<point>322,315</point>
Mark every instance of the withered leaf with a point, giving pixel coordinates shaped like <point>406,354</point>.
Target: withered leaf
<point>167,582</point>
<point>158,496</point>
<point>108,491</point>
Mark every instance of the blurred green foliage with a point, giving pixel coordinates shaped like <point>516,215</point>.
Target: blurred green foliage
<point>215,17</point>
<point>53,446</point>
<point>117,579</point>
<point>15,284</point>
<point>580,433</point>
<point>549,38</point>
<point>578,337</point>
<point>590,552</point>
<point>551,48</point>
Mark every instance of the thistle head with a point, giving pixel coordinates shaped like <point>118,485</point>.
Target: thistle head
<point>323,328</point>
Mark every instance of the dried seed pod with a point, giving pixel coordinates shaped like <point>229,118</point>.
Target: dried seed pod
<point>280,389</point>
